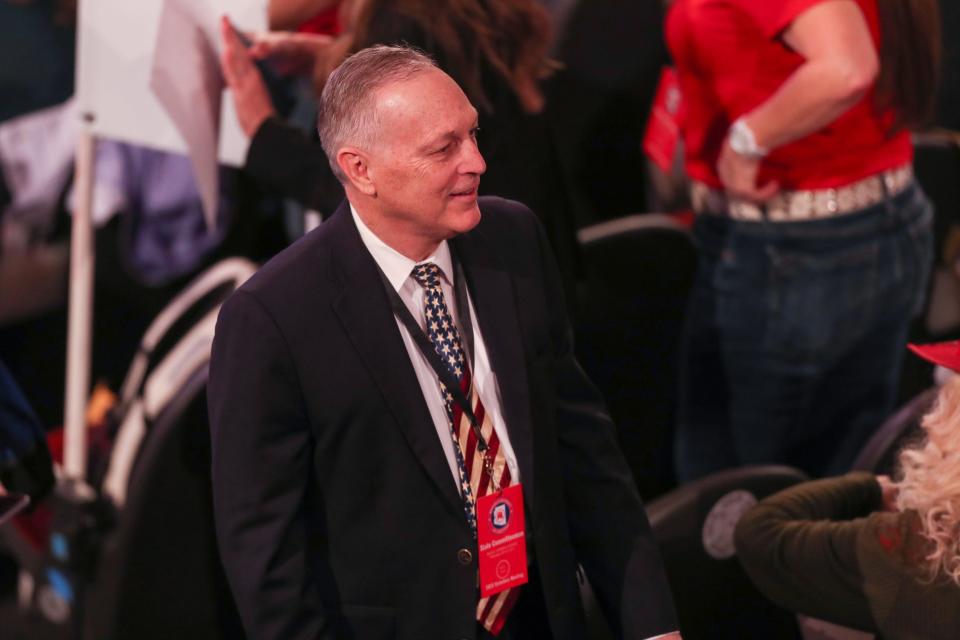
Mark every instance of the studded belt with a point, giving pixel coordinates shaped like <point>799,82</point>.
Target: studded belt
<point>794,206</point>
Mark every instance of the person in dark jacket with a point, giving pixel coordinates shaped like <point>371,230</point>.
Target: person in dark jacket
<point>348,484</point>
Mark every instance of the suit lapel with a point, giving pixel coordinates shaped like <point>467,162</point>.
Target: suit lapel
<point>364,311</point>
<point>495,302</point>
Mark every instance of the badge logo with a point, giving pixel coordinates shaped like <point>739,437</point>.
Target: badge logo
<point>500,515</point>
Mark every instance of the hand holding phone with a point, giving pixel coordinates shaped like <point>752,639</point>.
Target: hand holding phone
<point>250,95</point>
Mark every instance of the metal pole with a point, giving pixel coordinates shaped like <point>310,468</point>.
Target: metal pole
<point>80,323</point>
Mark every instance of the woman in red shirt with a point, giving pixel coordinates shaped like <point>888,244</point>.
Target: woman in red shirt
<point>815,242</point>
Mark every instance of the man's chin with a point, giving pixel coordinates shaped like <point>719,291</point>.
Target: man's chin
<point>469,218</point>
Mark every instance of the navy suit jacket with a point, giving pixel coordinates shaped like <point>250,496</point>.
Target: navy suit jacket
<point>336,512</point>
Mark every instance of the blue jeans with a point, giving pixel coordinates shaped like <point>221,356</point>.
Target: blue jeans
<point>794,335</point>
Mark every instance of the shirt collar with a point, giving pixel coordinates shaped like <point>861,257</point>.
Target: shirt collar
<point>395,265</point>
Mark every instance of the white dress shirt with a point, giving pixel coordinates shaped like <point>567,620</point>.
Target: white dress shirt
<point>397,267</point>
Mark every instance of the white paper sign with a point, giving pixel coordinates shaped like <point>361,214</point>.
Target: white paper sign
<point>115,66</point>
<point>186,79</point>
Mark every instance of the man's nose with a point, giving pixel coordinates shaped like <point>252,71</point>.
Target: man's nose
<point>473,161</point>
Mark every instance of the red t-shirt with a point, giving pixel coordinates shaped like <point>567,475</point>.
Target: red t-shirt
<point>730,59</point>
<point>325,23</point>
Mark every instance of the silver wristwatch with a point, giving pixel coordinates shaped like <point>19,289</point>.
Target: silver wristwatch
<point>743,142</point>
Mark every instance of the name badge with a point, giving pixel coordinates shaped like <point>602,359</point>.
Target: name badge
<point>501,540</point>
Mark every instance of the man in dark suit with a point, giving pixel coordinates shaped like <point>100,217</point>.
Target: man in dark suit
<point>348,483</point>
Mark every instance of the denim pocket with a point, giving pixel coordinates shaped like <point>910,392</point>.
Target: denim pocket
<point>818,302</point>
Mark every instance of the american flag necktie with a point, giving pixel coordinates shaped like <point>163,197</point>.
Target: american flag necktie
<point>492,611</point>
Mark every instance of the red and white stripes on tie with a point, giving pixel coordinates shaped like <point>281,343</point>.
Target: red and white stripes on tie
<point>475,478</point>
<point>492,611</point>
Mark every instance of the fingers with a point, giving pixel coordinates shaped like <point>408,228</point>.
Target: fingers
<point>747,191</point>
<point>228,33</point>
<point>766,192</point>
<point>287,43</point>
<point>260,49</point>
<point>264,44</point>
<point>235,61</point>
<point>250,97</point>
<point>288,52</point>
<point>230,43</point>
<point>889,492</point>
<point>739,177</point>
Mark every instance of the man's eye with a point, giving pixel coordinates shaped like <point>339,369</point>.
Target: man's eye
<point>474,132</point>
<point>445,148</point>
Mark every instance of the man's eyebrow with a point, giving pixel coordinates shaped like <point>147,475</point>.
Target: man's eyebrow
<point>438,139</point>
<point>451,134</point>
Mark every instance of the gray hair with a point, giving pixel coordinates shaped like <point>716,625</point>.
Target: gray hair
<point>347,110</point>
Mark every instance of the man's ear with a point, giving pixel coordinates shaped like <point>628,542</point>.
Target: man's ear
<point>355,166</point>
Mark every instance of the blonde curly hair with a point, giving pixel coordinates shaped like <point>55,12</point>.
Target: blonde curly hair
<point>929,482</point>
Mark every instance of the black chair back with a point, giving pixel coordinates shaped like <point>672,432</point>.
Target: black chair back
<point>879,455</point>
<point>159,576</point>
<point>639,271</point>
<point>694,526</point>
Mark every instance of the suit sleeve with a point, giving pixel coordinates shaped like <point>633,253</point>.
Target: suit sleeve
<point>608,524</point>
<point>799,547</point>
<point>261,469</point>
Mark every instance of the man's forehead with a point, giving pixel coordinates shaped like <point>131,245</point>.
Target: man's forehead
<point>430,98</point>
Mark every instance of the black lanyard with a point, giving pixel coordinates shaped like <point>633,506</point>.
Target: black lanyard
<point>429,351</point>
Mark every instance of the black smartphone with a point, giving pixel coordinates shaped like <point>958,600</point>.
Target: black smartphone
<point>11,504</point>
<point>279,87</point>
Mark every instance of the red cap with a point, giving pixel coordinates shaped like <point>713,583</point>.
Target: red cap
<point>946,354</point>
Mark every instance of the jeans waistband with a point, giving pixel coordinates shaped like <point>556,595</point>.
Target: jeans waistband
<point>802,205</point>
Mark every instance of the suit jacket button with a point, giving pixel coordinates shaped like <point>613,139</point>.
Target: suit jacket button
<point>465,556</point>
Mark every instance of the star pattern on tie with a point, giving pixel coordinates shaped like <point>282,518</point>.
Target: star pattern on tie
<point>446,342</point>
<point>475,475</point>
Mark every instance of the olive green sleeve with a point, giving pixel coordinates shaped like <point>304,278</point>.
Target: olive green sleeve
<point>799,547</point>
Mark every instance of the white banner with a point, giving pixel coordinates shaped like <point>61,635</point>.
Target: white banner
<point>115,63</point>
